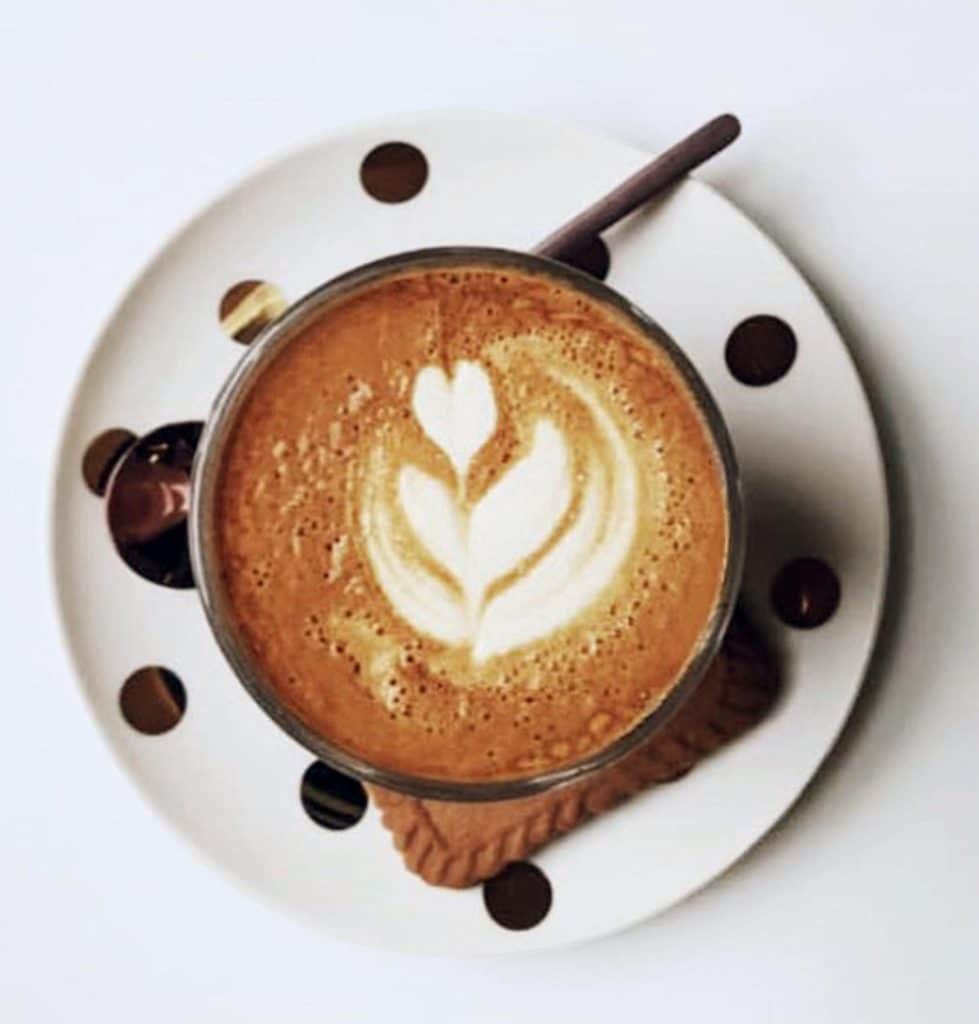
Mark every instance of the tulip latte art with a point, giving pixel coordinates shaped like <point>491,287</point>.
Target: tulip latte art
<point>521,560</point>
<point>471,524</point>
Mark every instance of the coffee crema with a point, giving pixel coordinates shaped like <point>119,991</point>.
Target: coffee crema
<point>471,524</point>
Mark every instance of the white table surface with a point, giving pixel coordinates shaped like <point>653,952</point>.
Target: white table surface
<point>860,156</point>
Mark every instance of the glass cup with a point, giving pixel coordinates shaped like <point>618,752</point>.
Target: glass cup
<point>203,511</point>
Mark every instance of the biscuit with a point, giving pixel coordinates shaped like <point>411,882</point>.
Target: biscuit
<point>460,844</point>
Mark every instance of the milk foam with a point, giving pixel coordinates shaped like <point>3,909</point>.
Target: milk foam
<point>519,531</point>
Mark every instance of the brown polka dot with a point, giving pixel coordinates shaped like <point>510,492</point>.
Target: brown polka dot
<point>592,256</point>
<point>332,799</point>
<point>519,897</point>
<point>102,456</point>
<point>394,172</point>
<point>248,307</point>
<point>153,700</point>
<point>760,350</point>
<point>805,593</point>
<point>147,504</point>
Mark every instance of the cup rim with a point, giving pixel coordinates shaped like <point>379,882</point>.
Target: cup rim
<point>205,562</point>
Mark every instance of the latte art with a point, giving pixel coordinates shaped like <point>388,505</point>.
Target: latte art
<point>471,524</point>
<point>518,561</point>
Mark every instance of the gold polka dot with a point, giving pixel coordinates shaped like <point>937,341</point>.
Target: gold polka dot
<point>248,307</point>
<point>153,700</point>
<point>394,172</point>
<point>102,456</point>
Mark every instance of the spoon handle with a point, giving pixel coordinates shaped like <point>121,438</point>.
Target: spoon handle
<point>656,176</point>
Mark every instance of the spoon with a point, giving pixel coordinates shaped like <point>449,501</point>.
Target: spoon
<point>648,181</point>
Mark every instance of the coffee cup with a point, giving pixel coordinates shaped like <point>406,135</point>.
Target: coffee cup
<point>466,523</point>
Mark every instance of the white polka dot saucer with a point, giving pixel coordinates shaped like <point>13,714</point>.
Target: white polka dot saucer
<point>245,793</point>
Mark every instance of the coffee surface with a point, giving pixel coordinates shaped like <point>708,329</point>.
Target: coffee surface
<point>471,524</point>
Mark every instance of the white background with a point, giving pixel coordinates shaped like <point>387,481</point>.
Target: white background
<point>860,156</point>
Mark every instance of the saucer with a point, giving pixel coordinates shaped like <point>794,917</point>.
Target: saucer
<point>243,792</point>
